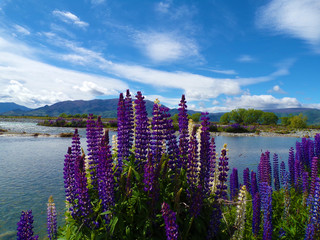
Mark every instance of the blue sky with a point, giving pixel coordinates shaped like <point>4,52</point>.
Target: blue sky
<point>221,54</point>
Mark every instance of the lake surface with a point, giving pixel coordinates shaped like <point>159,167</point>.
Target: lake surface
<point>31,169</point>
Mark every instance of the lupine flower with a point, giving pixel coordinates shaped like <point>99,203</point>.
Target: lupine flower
<point>149,176</point>
<point>105,177</point>
<point>68,174</point>
<point>317,145</point>
<point>204,154</point>
<point>212,163</point>
<point>315,208</point>
<point>310,232</point>
<point>266,202</point>
<point>234,183</point>
<point>130,119</point>
<point>215,221</point>
<point>123,151</point>
<point>193,161</point>
<point>291,165</point>
<point>305,185</point>
<point>170,222</point>
<point>265,168</point>
<point>276,172</point>
<point>142,137</point>
<point>25,226</point>
<point>183,130</point>
<point>297,177</point>
<point>314,174</point>
<point>196,201</point>
<point>51,219</point>
<point>282,173</point>
<point>246,179</point>
<point>254,184</point>
<point>173,150</point>
<point>256,211</point>
<point>223,174</point>
<point>241,214</point>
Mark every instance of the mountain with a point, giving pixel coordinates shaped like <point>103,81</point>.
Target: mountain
<point>10,106</point>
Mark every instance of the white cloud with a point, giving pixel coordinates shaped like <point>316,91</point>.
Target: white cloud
<point>70,18</point>
<point>276,89</point>
<point>227,72</point>
<point>245,58</point>
<point>97,2</point>
<point>296,18</point>
<point>163,7</point>
<point>168,102</point>
<point>261,102</point>
<point>163,47</point>
<point>21,30</point>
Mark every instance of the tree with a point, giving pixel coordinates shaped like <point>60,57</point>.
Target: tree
<point>195,117</point>
<point>225,118</point>
<point>237,115</point>
<point>252,116</point>
<point>268,118</point>
<point>299,121</point>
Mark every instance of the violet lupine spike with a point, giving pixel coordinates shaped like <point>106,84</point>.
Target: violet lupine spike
<point>265,168</point>
<point>51,219</point>
<point>123,151</point>
<point>130,119</point>
<point>83,207</point>
<point>317,145</point>
<point>212,163</point>
<point>315,208</point>
<point>314,174</point>
<point>282,172</point>
<point>254,184</point>
<point>234,184</point>
<point>256,212</point>
<point>276,172</point>
<point>246,179</point>
<point>172,145</point>
<point>93,141</point>
<point>183,131</point>
<point>311,152</point>
<point>170,222</point>
<point>266,202</point>
<point>196,201</point>
<point>223,174</point>
<point>68,174</point>
<point>215,221</point>
<point>25,226</point>
<point>305,186</point>
<point>149,176</point>
<point>158,134</point>
<point>310,231</point>
<point>142,136</point>
<point>193,161</point>
<point>205,154</point>
<point>298,175</point>
<point>105,177</point>
<point>291,165</point>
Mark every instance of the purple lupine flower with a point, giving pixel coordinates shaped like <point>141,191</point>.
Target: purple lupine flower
<point>282,172</point>
<point>298,175</point>
<point>276,172</point>
<point>183,131</point>
<point>172,145</point>
<point>314,174</point>
<point>315,208</point>
<point>170,222</point>
<point>266,203</point>
<point>123,151</point>
<point>256,211</point>
<point>254,184</point>
<point>211,163</point>
<point>130,119</point>
<point>68,174</point>
<point>158,134</point>
<point>196,201</point>
<point>317,145</point>
<point>94,136</point>
<point>305,186</point>
<point>25,226</point>
<point>246,179</point>
<point>193,161</point>
<point>310,231</point>
<point>265,168</point>
<point>142,136</point>
<point>234,183</point>
<point>311,152</point>
<point>83,207</point>
<point>223,174</point>
<point>291,165</point>
<point>149,176</point>
<point>215,221</point>
<point>51,219</point>
<point>105,176</point>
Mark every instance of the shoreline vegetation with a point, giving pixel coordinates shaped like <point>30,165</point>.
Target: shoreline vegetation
<point>217,129</point>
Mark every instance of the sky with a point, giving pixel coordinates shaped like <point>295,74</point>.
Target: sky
<point>222,55</point>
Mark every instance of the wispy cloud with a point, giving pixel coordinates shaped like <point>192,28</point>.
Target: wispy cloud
<point>226,72</point>
<point>70,18</point>
<point>165,47</point>
<point>163,6</point>
<point>22,30</point>
<point>97,2</point>
<point>296,18</point>
<point>245,58</point>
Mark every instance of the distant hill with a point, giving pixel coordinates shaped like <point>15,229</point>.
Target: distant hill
<point>10,106</point>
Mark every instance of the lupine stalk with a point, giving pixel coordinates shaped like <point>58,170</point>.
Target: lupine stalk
<point>256,212</point>
<point>246,179</point>
<point>314,174</point>
<point>193,162</point>
<point>173,149</point>
<point>25,226</point>
<point>241,214</point>
<point>170,222</point>
<point>183,130</point>
<point>276,172</point>
<point>130,119</point>
<point>291,165</point>
<point>282,173</point>
<point>234,184</point>
<point>51,219</point>
<point>266,202</point>
<point>223,174</point>
<point>123,148</point>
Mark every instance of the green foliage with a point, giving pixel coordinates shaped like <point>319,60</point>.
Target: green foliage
<point>297,121</point>
<point>225,118</point>
<point>269,118</point>
<point>238,115</point>
<point>249,116</point>
<point>195,117</point>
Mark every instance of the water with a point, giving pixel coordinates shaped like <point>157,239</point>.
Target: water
<point>31,169</point>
